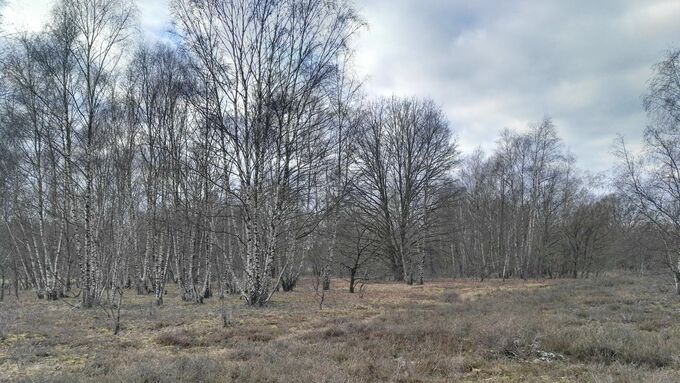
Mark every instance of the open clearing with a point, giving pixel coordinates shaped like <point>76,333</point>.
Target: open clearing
<point>612,329</point>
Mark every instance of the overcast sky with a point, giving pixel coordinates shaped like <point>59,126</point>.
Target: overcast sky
<point>497,64</point>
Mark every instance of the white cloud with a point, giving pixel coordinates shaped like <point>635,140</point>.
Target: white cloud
<point>154,17</point>
<point>31,15</point>
<point>25,15</point>
<point>495,64</point>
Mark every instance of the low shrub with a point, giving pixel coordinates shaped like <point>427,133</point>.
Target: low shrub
<point>450,296</point>
<point>609,343</point>
<point>180,338</point>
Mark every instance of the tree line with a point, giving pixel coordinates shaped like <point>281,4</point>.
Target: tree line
<point>240,153</point>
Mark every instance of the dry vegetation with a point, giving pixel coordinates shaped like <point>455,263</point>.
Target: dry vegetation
<point>614,329</point>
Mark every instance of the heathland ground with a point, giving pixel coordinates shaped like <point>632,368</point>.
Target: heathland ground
<point>610,329</point>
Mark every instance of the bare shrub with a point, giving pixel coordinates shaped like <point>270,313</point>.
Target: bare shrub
<point>450,296</point>
<point>613,343</point>
<point>257,336</point>
<point>180,338</point>
<point>226,313</point>
<point>4,321</point>
<point>333,332</point>
<point>174,369</point>
<point>8,316</point>
<point>112,304</point>
<point>362,289</point>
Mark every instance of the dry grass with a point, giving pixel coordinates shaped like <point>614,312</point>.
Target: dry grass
<point>615,329</point>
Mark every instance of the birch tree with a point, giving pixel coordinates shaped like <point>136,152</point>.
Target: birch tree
<point>405,151</point>
<point>158,86</point>
<point>651,180</point>
<point>37,229</point>
<point>101,27</point>
<point>267,63</point>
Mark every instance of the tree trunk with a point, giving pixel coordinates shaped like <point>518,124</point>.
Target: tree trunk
<point>329,261</point>
<point>16,279</point>
<point>2,286</point>
<point>421,267</point>
<point>352,279</point>
<point>326,277</point>
<point>397,271</point>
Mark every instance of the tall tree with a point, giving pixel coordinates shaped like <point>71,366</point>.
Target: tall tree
<point>101,26</point>
<point>267,64</point>
<point>405,153</point>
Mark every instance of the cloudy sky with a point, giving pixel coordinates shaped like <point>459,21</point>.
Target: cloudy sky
<point>497,64</point>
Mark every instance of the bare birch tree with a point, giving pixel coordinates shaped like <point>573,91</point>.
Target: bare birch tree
<point>651,180</point>
<point>267,63</point>
<point>101,26</point>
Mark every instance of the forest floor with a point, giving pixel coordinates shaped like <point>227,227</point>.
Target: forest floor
<point>610,329</point>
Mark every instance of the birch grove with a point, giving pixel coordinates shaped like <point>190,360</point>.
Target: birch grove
<point>241,153</point>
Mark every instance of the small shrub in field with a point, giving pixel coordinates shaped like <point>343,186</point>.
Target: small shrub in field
<point>197,369</point>
<point>180,338</point>
<point>611,343</point>
<point>257,336</point>
<point>663,288</point>
<point>243,354</point>
<point>510,337</point>
<point>3,327</point>
<point>7,317</point>
<point>603,283</point>
<point>333,332</point>
<point>176,369</point>
<point>450,296</point>
<point>226,313</point>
